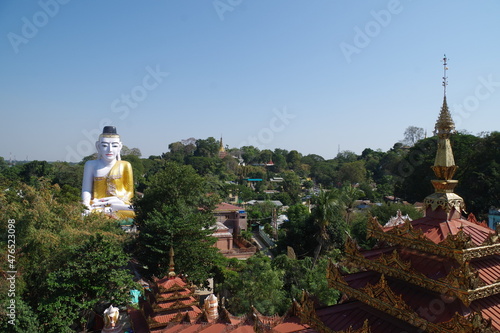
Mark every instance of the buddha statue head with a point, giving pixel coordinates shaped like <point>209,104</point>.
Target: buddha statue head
<point>109,145</point>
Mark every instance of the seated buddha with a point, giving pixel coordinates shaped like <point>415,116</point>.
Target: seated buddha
<point>108,183</point>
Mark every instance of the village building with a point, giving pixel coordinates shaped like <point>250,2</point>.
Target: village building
<point>231,220</point>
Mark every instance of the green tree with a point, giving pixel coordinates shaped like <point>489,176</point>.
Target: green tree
<point>207,148</point>
<point>250,154</point>
<point>292,186</point>
<point>25,320</point>
<point>33,170</point>
<point>259,285</point>
<point>348,196</point>
<point>93,275</point>
<point>298,232</point>
<point>352,172</point>
<point>303,275</point>
<point>177,211</point>
<point>385,211</point>
<point>130,151</point>
<point>293,160</point>
<point>327,216</point>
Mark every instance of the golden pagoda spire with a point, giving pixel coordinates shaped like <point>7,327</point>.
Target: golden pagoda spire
<point>171,270</point>
<point>444,165</point>
<point>222,150</point>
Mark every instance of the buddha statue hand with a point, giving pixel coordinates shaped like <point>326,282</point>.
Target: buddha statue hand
<point>114,203</point>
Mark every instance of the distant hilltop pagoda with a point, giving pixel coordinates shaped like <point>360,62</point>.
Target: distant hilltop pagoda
<point>222,150</point>
<point>439,273</point>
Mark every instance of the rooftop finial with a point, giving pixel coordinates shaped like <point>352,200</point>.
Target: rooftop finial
<point>445,78</point>
<point>171,271</point>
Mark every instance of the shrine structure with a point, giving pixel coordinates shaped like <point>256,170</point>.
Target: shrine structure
<point>170,306</point>
<point>439,273</point>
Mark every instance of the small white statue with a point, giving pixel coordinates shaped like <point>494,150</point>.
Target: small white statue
<point>111,316</point>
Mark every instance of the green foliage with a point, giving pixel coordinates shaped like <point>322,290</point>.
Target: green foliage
<point>47,231</point>
<point>93,274</point>
<point>261,212</point>
<point>387,210</point>
<point>188,232</point>
<point>33,170</point>
<point>247,235</point>
<point>298,232</point>
<point>249,154</point>
<point>207,148</point>
<point>304,275</point>
<point>25,319</point>
<point>292,186</point>
<point>176,211</point>
<point>257,284</point>
<point>352,172</point>
<point>358,231</point>
<point>172,185</point>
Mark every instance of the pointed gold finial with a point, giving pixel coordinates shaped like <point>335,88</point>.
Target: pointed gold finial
<point>171,270</point>
<point>222,150</point>
<point>444,165</point>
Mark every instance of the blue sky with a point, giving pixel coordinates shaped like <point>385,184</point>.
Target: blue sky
<point>293,74</point>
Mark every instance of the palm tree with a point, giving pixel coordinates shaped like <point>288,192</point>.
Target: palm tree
<point>333,209</point>
<point>327,208</point>
<point>349,195</point>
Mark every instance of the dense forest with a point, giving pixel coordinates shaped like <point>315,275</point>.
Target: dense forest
<point>69,267</point>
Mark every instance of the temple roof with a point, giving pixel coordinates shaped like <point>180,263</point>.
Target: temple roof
<point>428,310</point>
<point>354,314</point>
<point>437,230</point>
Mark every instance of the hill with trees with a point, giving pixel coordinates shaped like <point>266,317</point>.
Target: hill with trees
<point>70,267</point>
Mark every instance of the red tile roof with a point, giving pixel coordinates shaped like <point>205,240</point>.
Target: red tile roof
<point>488,268</point>
<point>225,207</point>
<point>489,308</point>
<point>353,314</point>
<point>437,230</point>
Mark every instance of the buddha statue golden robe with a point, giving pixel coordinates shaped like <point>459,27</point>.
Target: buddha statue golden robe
<point>108,183</point>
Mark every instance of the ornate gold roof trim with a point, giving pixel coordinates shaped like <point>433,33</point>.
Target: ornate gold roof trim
<point>381,297</point>
<point>445,201</point>
<point>459,246</point>
<point>462,282</point>
<point>474,323</point>
<point>307,314</point>
<point>378,296</point>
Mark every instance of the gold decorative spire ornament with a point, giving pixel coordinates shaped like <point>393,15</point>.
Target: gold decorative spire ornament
<point>171,270</point>
<point>444,165</point>
<point>222,150</point>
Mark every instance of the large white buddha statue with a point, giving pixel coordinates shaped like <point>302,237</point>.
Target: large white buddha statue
<point>108,183</point>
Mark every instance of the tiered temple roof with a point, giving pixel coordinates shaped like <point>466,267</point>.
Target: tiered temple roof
<point>439,273</point>
<point>171,306</point>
